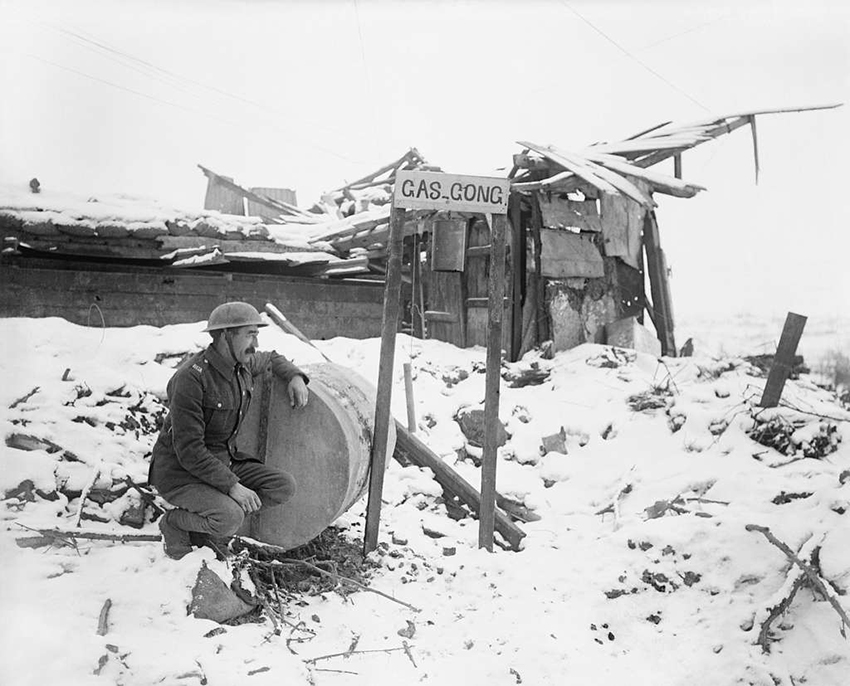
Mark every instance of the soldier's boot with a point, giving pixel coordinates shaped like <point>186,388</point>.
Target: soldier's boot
<point>176,541</point>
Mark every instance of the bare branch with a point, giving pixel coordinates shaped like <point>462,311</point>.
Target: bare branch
<point>812,576</point>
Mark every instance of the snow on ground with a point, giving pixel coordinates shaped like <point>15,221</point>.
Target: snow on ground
<point>666,587</point>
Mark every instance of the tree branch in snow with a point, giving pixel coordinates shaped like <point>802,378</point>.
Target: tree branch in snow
<point>348,653</point>
<point>147,496</point>
<point>85,494</point>
<point>287,562</point>
<point>624,490</point>
<point>786,596</point>
<point>811,575</point>
<point>24,398</point>
<point>58,536</point>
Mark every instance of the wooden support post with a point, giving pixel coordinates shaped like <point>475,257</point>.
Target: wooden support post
<point>542,318</point>
<point>380,435</point>
<point>783,360</point>
<point>517,275</point>
<point>408,392</point>
<point>491,392</point>
<point>659,283</point>
<point>417,298</point>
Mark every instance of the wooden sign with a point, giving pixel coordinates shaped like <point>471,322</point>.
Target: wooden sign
<point>423,190</point>
<point>420,190</point>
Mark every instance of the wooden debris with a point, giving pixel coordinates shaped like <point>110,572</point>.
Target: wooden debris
<point>29,442</point>
<point>103,620</point>
<point>556,443</point>
<point>533,376</point>
<point>516,510</point>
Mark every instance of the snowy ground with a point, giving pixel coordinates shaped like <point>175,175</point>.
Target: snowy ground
<point>642,594</point>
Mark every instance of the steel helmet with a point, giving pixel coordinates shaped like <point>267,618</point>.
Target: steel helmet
<point>232,315</point>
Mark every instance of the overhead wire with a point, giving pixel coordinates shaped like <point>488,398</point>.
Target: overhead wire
<point>692,29</point>
<point>179,82</point>
<point>173,78</point>
<point>366,72</point>
<point>632,56</point>
<point>126,89</point>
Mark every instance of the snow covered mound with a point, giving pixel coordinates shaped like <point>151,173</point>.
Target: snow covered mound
<point>663,508</point>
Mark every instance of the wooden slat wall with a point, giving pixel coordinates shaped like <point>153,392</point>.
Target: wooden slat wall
<point>128,296</point>
<point>221,198</point>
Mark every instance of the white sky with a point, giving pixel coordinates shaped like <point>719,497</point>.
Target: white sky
<point>129,97</point>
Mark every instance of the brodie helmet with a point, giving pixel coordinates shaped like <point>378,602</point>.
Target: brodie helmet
<point>232,315</point>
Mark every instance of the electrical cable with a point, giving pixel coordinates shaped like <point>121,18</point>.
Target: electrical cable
<point>632,57</point>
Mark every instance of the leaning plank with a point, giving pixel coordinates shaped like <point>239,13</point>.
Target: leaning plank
<point>783,360</point>
<point>575,166</point>
<point>667,184</point>
<point>411,449</point>
<point>659,285</point>
<point>583,166</point>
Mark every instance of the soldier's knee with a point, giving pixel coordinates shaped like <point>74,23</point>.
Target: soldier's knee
<point>226,520</point>
<point>279,488</point>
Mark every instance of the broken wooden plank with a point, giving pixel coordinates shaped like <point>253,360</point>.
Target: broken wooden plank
<point>570,164</point>
<point>604,179</point>
<point>659,285</point>
<point>566,254</point>
<point>622,223</point>
<point>752,120</point>
<point>411,449</point>
<point>666,184</point>
<point>563,213</point>
<point>446,317</point>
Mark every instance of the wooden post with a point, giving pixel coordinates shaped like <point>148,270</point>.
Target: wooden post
<point>392,295</point>
<point>517,275</point>
<point>417,299</point>
<point>541,318</point>
<point>408,392</point>
<point>491,392</point>
<point>783,360</point>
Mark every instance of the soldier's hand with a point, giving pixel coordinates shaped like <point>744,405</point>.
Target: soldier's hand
<point>298,393</point>
<point>248,500</point>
